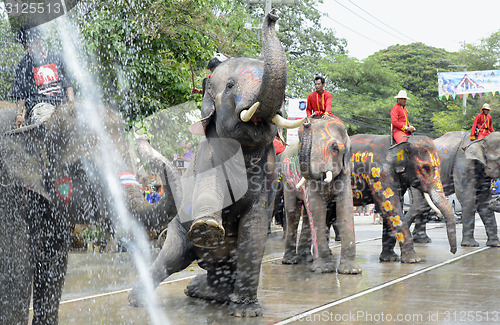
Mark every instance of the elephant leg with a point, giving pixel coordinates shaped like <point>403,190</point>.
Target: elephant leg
<point>468,216</point>
<point>487,216</point>
<point>15,266</point>
<point>51,236</point>
<point>418,213</point>
<point>345,222</point>
<point>388,243</point>
<point>292,212</point>
<point>176,254</point>
<point>250,251</point>
<point>305,242</point>
<point>316,209</point>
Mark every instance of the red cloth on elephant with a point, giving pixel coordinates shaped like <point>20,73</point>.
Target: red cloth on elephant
<point>278,146</point>
<point>399,121</point>
<point>319,104</point>
<point>486,129</point>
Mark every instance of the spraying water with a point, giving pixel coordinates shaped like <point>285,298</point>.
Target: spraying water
<point>90,117</point>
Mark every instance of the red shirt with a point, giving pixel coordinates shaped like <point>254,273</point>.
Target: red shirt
<point>486,129</point>
<point>399,121</point>
<point>319,103</point>
<point>278,146</point>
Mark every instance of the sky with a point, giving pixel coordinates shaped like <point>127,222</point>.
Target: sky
<point>439,23</point>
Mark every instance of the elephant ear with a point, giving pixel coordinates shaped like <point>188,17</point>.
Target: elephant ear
<point>23,158</point>
<point>475,151</point>
<point>207,113</point>
<point>347,156</point>
<point>397,155</point>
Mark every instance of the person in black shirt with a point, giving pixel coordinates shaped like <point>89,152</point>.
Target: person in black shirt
<point>40,81</point>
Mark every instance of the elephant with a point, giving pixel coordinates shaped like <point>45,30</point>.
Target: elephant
<point>381,175</point>
<point>317,173</point>
<point>67,170</point>
<point>222,222</point>
<point>467,170</point>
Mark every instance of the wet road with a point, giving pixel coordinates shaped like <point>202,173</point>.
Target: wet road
<point>443,289</point>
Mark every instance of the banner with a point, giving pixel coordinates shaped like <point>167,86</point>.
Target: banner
<point>296,109</point>
<point>468,82</point>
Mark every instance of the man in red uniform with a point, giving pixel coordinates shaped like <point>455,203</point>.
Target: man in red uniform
<point>319,103</point>
<point>483,124</point>
<point>401,128</point>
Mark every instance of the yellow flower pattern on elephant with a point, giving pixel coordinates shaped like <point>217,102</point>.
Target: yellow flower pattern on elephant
<point>388,193</point>
<point>377,186</point>
<point>396,221</point>
<point>387,205</point>
<point>376,171</point>
<point>400,237</point>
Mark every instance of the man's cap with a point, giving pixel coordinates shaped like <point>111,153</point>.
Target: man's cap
<point>25,35</point>
<point>486,106</point>
<point>402,94</point>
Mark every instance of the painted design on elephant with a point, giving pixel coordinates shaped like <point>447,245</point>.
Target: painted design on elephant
<point>327,139</point>
<point>387,205</point>
<point>251,78</point>
<point>401,155</point>
<point>128,179</point>
<point>64,188</point>
<point>428,169</point>
<point>292,174</point>
<point>400,237</point>
<point>362,156</point>
<point>364,140</point>
<point>314,236</point>
<point>377,186</point>
<point>388,193</point>
<point>396,221</point>
<point>358,195</point>
<point>375,172</point>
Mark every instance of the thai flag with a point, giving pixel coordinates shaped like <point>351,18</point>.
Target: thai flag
<point>128,179</point>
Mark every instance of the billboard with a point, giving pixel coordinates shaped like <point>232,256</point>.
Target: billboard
<point>468,82</point>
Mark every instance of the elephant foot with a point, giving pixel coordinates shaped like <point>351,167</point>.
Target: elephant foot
<point>199,288</point>
<point>245,307</point>
<point>421,237</point>
<point>494,242</point>
<point>290,259</point>
<point>469,242</point>
<point>388,256</point>
<point>410,257</point>
<point>321,265</point>
<point>136,297</point>
<point>348,266</point>
<point>206,232</point>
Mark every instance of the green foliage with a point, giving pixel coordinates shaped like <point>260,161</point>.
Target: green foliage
<point>485,56</point>
<point>11,53</point>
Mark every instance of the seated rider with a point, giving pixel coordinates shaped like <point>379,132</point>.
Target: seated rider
<point>401,128</point>
<point>319,103</point>
<point>40,82</point>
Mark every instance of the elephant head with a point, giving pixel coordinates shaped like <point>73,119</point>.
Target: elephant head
<point>244,96</point>
<point>487,152</point>
<point>325,149</point>
<point>418,164</point>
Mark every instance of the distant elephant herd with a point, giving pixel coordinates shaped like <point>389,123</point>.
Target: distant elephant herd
<point>72,169</point>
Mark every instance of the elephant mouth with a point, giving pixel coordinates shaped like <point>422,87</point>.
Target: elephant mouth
<point>248,115</point>
<point>257,120</point>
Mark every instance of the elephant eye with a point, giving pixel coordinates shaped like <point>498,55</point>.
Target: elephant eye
<point>427,169</point>
<point>230,84</point>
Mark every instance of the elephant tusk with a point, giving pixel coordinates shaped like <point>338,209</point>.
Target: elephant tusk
<point>247,114</point>
<point>431,204</point>
<point>302,182</point>
<point>329,176</point>
<point>287,124</point>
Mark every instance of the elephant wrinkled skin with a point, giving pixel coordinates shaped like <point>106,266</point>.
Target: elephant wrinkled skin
<point>467,170</point>
<point>222,221</point>
<point>382,173</point>
<point>54,175</point>
<point>322,158</point>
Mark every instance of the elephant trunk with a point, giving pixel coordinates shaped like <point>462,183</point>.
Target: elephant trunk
<point>273,85</point>
<point>305,151</point>
<point>443,205</point>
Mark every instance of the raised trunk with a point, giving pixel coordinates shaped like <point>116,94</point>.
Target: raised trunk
<point>274,78</point>
<point>305,151</point>
<point>443,205</point>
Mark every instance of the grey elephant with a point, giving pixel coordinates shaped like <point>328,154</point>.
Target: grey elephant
<point>222,221</point>
<point>317,173</point>
<point>53,175</point>
<point>467,168</point>
<point>381,175</point>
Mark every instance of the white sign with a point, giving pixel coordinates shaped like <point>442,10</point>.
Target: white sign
<point>296,110</point>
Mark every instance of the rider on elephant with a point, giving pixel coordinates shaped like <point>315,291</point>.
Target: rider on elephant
<point>401,128</point>
<point>483,124</point>
<point>41,82</point>
<point>319,103</point>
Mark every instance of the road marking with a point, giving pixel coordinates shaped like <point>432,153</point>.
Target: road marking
<point>367,291</point>
<point>192,276</point>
